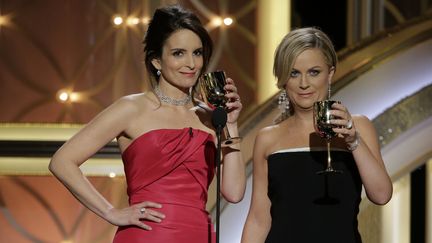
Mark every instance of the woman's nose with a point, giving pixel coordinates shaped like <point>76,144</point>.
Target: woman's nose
<point>304,82</point>
<point>190,62</point>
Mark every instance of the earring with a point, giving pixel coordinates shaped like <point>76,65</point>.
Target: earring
<point>283,103</point>
<point>158,72</point>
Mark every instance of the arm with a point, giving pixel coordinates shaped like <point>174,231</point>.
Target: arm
<point>66,161</point>
<point>258,221</point>
<point>367,154</point>
<point>370,164</point>
<point>233,183</point>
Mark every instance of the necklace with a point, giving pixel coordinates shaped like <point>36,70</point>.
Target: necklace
<point>170,100</point>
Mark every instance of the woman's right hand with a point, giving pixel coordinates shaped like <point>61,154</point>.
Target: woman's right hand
<point>136,215</point>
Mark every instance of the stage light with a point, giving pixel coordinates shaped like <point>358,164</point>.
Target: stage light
<point>66,95</point>
<point>132,21</point>
<point>217,21</point>
<point>63,96</point>
<point>112,175</point>
<point>74,96</point>
<point>3,20</point>
<point>117,20</point>
<point>228,21</point>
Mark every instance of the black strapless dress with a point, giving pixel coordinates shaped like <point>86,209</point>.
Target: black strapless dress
<point>307,207</point>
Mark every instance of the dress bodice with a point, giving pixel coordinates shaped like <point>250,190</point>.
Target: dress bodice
<point>307,207</point>
<point>173,167</point>
<point>187,155</point>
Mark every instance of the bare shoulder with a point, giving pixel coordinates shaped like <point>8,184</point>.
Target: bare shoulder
<point>268,130</point>
<point>362,122</point>
<point>267,135</point>
<point>136,102</point>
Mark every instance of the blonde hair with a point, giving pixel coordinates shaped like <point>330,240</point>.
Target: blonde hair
<point>294,43</point>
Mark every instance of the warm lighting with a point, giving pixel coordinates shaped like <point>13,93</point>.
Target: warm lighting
<point>74,97</point>
<point>132,21</point>
<point>3,20</point>
<point>217,21</point>
<point>228,21</point>
<point>112,174</point>
<point>145,20</point>
<point>63,96</point>
<point>274,22</point>
<point>68,96</point>
<point>118,20</point>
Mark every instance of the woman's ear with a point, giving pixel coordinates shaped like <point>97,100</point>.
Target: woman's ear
<point>156,63</point>
<point>331,73</point>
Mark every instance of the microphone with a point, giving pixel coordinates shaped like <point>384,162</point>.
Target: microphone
<point>219,117</point>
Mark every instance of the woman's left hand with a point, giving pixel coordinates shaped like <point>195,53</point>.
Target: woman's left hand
<point>344,121</point>
<point>234,104</point>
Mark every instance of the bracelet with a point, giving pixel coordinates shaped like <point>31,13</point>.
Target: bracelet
<point>353,145</point>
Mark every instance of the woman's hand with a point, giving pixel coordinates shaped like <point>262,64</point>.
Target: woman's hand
<point>136,214</point>
<point>344,122</point>
<point>234,104</point>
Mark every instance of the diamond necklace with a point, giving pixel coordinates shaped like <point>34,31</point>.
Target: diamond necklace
<point>170,100</point>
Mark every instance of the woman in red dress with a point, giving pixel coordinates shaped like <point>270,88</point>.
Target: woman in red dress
<point>166,139</point>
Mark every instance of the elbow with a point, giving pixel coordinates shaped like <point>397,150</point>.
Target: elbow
<point>234,199</point>
<point>234,196</point>
<point>381,201</point>
<point>233,192</point>
<point>383,197</point>
<point>53,166</point>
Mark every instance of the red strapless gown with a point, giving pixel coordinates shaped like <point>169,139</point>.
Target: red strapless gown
<point>173,167</point>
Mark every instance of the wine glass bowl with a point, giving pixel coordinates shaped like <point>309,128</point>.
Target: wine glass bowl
<point>323,127</point>
<point>212,89</point>
<point>213,94</point>
<point>322,119</point>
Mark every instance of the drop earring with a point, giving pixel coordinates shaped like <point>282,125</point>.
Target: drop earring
<point>283,103</point>
<point>158,72</point>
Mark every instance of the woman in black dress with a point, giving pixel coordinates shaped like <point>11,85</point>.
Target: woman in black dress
<point>290,202</point>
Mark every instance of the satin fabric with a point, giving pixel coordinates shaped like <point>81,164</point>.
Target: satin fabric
<point>173,167</point>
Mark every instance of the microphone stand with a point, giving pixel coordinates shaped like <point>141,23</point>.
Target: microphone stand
<point>219,119</point>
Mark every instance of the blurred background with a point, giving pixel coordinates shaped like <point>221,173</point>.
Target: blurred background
<point>63,61</point>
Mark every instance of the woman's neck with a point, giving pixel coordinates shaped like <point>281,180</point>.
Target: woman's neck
<point>303,118</point>
<point>172,95</point>
<point>172,91</point>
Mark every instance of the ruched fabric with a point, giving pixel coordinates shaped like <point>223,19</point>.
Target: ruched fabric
<point>173,167</point>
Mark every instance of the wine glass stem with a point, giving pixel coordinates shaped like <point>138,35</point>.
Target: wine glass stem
<point>328,155</point>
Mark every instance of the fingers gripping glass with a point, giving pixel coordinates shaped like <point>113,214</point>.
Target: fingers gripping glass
<point>213,93</point>
<point>324,129</point>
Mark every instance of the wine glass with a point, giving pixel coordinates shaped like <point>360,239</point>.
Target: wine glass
<point>213,93</point>
<point>324,128</point>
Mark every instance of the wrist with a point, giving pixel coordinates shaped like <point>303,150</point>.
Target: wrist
<point>355,143</point>
<point>233,128</point>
